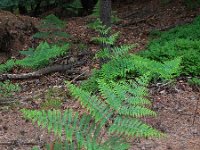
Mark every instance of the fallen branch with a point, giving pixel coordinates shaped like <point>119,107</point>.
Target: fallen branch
<point>38,73</point>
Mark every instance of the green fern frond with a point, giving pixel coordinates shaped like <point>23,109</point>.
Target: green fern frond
<point>103,53</point>
<point>133,65</point>
<point>117,68</point>
<point>106,40</point>
<point>80,131</point>
<point>7,66</point>
<point>135,111</point>
<point>121,67</point>
<point>97,108</point>
<point>42,55</point>
<point>51,27</point>
<point>130,92</point>
<point>133,127</point>
<point>114,52</point>
<point>172,67</point>
<point>41,35</point>
<point>28,52</point>
<point>96,10</point>
<point>98,26</point>
<point>117,99</point>
<point>60,34</point>
<point>121,51</point>
<point>74,6</point>
<point>52,22</point>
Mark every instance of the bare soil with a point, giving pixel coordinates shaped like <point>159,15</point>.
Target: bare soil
<point>15,34</point>
<point>177,105</point>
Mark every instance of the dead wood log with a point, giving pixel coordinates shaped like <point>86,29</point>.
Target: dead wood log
<point>38,73</point>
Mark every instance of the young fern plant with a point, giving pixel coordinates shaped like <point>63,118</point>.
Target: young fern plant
<point>122,64</point>
<point>42,55</point>
<point>122,104</point>
<point>111,52</point>
<point>113,117</point>
<point>114,112</point>
<point>36,58</point>
<point>51,28</point>
<point>74,7</point>
<point>8,89</point>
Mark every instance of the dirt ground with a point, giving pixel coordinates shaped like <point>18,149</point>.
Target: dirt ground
<point>177,105</point>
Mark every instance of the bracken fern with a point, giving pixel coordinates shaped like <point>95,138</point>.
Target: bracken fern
<point>36,58</point>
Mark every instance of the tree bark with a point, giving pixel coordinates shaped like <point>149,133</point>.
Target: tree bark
<point>105,12</point>
<point>105,17</point>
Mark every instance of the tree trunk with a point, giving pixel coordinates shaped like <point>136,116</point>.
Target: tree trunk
<point>105,16</point>
<point>105,12</point>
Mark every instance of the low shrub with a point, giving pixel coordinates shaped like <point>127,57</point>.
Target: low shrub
<point>182,41</point>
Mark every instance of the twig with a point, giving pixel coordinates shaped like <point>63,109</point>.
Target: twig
<point>38,73</point>
<point>77,77</point>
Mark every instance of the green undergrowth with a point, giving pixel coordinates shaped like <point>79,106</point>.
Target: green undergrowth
<point>115,98</point>
<point>36,58</point>
<point>115,113</point>
<point>134,66</point>
<point>51,29</point>
<point>182,41</point>
<point>8,89</point>
<point>190,4</point>
<point>123,65</point>
<point>53,98</point>
<point>194,81</point>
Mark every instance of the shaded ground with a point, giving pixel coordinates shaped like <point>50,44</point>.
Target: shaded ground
<point>177,106</point>
<point>178,117</point>
<point>15,32</point>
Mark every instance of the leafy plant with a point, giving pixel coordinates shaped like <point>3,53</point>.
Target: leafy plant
<point>53,98</point>
<point>7,89</point>
<point>7,66</point>
<point>9,4</point>
<point>42,55</point>
<point>82,46</point>
<point>114,113</point>
<point>75,6</point>
<point>51,28</point>
<point>44,52</point>
<point>133,66</point>
<point>123,65</point>
<point>51,104</point>
<point>191,4</point>
<point>115,108</point>
<point>194,81</point>
<point>36,58</point>
<point>182,41</point>
<point>80,130</point>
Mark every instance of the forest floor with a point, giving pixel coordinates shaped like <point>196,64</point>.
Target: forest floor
<point>177,105</point>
